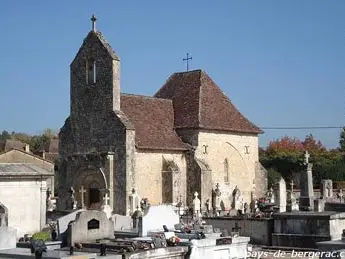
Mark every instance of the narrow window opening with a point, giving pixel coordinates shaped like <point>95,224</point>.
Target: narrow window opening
<point>226,170</point>
<point>91,72</point>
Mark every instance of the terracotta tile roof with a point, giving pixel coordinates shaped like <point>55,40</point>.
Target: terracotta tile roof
<point>51,146</point>
<point>6,145</point>
<point>153,120</point>
<point>199,103</point>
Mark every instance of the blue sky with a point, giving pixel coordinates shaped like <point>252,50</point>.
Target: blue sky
<point>282,63</point>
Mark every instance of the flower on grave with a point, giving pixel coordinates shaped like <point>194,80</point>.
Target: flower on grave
<point>174,240</point>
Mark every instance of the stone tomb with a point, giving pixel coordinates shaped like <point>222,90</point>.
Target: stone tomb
<point>122,223</point>
<point>305,229</point>
<point>337,247</point>
<point>235,247</point>
<point>8,238</point>
<point>89,226</point>
<point>62,225</point>
<point>156,217</point>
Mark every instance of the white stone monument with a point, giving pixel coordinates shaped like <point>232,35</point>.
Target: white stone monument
<point>196,205</point>
<point>282,195</point>
<point>105,207</point>
<point>134,202</point>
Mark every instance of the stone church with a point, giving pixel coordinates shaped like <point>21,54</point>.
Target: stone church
<point>188,137</point>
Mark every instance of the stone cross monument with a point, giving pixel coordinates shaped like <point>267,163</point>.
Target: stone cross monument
<point>196,205</point>
<point>306,200</point>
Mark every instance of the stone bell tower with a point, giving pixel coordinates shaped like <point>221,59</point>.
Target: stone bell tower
<point>95,85</point>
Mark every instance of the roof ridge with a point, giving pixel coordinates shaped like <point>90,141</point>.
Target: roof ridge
<point>146,97</point>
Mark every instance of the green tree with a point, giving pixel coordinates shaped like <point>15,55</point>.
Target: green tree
<point>5,135</point>
<point>286,155</point>
<point>342,140</point>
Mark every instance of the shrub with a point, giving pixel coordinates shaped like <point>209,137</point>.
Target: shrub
<point>44,236</point>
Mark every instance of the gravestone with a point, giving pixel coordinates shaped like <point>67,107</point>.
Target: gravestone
<point>88,226</point>
<point>319,205</point>
<point>82,191</point>
<point>134,201</point>
<point>105,207</point>
<point>341,196</point>
<point>281,195</point>
<point>237,201</point>
<point>122,222</point>
<point>62,225</point>
<point>8,238</point>
<point>71,203</point>
<point>326,189</point>
<point>291,199</point>
<point>216,199</point>
<point>156,217</point>
<point>306,199</point>
<point>196,205</point>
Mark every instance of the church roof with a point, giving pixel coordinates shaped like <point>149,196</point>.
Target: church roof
<point>6,145</point>
<point>22,170</point>
<point>52,146</point>
<point>199,103</point>
<point>153,120</point>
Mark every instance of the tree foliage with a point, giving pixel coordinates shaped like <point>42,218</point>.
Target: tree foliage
<point>342,140</point>
<point>286,156</point>
<point>35,141</point>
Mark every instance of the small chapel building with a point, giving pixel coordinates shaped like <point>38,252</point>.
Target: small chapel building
<point>187,137</point>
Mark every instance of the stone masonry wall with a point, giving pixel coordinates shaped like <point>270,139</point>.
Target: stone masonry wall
<point>241,166</point>
<point>149,174</point>
<point>95,124</point>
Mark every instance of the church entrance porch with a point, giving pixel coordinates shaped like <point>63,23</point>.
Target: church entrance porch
<point>90,189</point>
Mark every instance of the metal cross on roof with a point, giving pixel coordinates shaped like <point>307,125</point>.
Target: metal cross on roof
<point>187,59</point>
<point>93,19</point>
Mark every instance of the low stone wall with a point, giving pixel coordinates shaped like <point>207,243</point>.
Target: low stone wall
<point>259,230</point>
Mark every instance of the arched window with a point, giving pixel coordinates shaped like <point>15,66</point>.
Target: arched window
<point>226,170</point>
<point>91,71</point>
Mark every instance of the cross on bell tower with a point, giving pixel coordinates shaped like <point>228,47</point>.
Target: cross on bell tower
<point>93,20</point>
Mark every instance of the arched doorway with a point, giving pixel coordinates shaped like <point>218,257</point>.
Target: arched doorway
<point>91,184</point>
<point>94,193</point>
<point>3,215</point>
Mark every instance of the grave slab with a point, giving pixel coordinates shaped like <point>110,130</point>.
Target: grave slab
<point>8,238</point>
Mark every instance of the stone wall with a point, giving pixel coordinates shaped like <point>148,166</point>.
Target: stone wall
<point>260,181</point>
<point>259,230</point>
<point>96,125</point>
<point>241,166</point>
<point>23,200</point>
<point>152,171</point>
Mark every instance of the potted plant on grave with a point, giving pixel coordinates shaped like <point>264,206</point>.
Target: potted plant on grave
<point>173,241</point>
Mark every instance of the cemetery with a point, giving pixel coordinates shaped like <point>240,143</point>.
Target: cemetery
<point>278,220</point>
<point>176,175</point>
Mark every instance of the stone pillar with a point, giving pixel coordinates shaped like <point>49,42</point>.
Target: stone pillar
<point>110,167</point>
<point>281,199</point>
<point>306,200</point>
<point>43,206</point>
